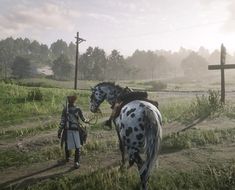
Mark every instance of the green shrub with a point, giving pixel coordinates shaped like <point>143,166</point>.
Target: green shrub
<point>35,95</point>
<point>195,138</point>
<point>203,107</point>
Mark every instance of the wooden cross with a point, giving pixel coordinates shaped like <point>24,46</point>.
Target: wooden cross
<point>222,66</point>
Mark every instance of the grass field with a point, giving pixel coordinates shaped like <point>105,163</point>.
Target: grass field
<point>199,158</point>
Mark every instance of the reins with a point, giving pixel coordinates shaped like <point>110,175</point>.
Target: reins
<point>96,117</point>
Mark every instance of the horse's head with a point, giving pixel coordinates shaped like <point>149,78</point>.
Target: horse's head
<point>104,91</point>
<point>96,98</point>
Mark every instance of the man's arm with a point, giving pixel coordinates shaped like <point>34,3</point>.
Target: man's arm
<point>80,114</point>
<point>62,123</point>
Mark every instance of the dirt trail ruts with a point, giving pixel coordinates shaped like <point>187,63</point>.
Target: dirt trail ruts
<point>32,122</point>
<point>50,169</point>
<point>182,160</point>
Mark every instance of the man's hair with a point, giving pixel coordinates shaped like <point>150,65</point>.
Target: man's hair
<point>71,99</point>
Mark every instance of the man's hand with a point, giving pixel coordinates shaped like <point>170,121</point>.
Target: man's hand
<point>59,133</point>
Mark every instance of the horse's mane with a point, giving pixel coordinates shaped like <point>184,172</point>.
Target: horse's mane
<point>110,84</point>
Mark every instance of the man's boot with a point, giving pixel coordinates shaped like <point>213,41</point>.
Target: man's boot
<point>67,153</point>
<point>77,158</point>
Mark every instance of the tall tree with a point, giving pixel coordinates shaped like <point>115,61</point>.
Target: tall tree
<point>21,67</point>
<point>92,64</point>
<point>72,52</point>
<point>116,66</point>
<point>100,61</point>
<point>85,65</point>
<point>194,65</point>
<point>62,69</point>
<point>59,47</point>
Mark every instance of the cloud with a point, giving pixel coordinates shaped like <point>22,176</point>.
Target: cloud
<point>103,17</point>
<point>45,16</point>
<point>229,25</point>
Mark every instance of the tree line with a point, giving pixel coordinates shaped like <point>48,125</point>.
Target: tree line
<point>20,58</point>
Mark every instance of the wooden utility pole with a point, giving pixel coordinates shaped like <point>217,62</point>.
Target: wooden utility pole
<point>79,40</point>
<point>222,67</point>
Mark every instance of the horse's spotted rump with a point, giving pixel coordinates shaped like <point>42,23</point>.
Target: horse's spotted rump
<point>136,129</point>
<point>139,136</point>
<point>124,110</point>
<point>141,105</point>
<point>130,111</point>
<point>128,131</point>
<point>141,126</point>
<point>132,115</point>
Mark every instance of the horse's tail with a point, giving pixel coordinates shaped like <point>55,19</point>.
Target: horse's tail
<point>153,135</point>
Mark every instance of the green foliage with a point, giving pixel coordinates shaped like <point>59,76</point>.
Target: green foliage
<point>194,65</point>
<point>62,69</point>
<point>174,111</point>
<point>156,85</point>
<point>208,178</point>
<point>14,157</point>
<point>197,138</point>
<point>23,132</point>
<point>35,95</point>
<point>21,67</point>
<point>92,64</point>
<point>204,106</point>
<point>15,107</point>
<point>58,48</point>
<point>116,67</point>
<point>99,146</point>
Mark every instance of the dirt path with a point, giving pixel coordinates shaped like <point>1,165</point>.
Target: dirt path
<point>188,159</point>
<point>182,160</point>
<point>51,169</point>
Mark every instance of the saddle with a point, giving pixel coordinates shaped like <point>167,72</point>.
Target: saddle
<point>126,98</point>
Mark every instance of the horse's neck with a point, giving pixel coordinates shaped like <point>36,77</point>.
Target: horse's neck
<point>112,92</point>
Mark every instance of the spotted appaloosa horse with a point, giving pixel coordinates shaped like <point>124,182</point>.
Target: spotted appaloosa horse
<point>138,128</point>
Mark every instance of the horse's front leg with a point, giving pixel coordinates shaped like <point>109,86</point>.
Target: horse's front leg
<point>121,145</point>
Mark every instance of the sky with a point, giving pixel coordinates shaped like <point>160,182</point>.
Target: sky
<point>125,25</point>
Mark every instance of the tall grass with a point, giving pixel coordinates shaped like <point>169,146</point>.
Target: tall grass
<point>209,178</point>
<point>23,132</point>
<point>50,150</point>
<point>17,158</point>
<point>195,138</point>
<point>199,108</point>
<point>19,103</point>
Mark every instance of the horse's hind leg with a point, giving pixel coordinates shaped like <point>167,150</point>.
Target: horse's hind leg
<point>135,158</point>
<point>143,180</point>
<point>138,160</point>
<point>121,146</point>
